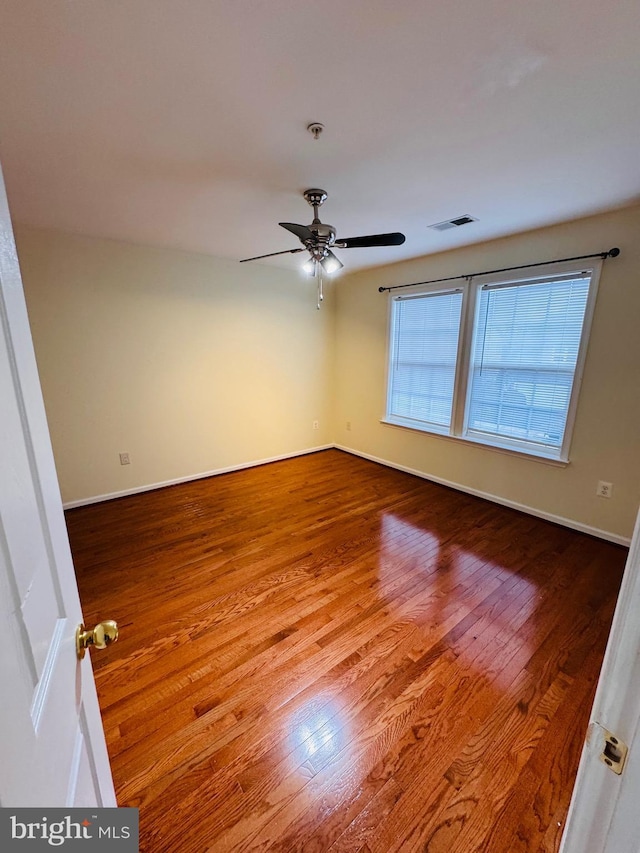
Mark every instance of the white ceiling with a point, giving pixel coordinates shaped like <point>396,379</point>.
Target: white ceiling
<point>183,122</point>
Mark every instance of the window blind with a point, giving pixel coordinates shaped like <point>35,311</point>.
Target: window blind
<point>523,359</point>
<point>424,347</point>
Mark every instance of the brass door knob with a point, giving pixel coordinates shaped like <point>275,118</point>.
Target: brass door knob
<point>102,636</point>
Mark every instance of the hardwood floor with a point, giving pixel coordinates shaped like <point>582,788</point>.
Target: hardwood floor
<point>324,654</point>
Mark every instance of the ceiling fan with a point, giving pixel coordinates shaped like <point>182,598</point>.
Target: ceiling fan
<point>319,239</point>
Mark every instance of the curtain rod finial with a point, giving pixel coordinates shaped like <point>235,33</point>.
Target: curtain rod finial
<point>613,253</point>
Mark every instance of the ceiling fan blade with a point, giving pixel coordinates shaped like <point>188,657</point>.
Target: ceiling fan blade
<point>395,238</point>
<point>301,231</point>
<point>272,254</point>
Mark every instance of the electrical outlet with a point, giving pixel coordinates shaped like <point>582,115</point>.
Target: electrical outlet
<point>316,424</point>
<point>604,490</point>
<point>349,426</point>
<point>124,459</point>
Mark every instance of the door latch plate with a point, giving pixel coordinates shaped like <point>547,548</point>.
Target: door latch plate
<point>614,753</point>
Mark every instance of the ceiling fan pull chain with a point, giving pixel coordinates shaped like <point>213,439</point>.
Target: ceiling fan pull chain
<point>319,275</point>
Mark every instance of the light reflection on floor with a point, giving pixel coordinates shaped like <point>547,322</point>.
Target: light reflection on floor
<point>451,584</point>
<point>317,733</point>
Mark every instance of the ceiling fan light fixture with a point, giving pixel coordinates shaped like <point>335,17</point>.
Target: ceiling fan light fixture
<point>309,266</point>
<point>331,264</point>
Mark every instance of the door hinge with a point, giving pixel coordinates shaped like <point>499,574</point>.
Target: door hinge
<point>614,753</point>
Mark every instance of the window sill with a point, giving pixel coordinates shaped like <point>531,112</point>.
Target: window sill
<point>473,442</point>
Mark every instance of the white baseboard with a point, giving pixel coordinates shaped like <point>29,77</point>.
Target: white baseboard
<point>149,488</point>
<point>547,516</point>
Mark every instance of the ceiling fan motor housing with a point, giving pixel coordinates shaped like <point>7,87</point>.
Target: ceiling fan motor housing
<point>324,236</point>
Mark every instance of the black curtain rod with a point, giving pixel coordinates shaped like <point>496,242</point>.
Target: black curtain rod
<point>612,253</point>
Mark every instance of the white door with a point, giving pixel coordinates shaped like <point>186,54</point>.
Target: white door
<point>52,747</point>
<point>604,816</point>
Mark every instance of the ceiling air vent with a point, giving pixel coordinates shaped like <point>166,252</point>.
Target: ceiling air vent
<point>453,223</point>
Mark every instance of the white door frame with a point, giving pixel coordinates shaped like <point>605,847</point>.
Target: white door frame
<point>604,815</point>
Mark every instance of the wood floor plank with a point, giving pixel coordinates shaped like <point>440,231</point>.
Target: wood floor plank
<point>492,760</point>
<point>324,654</point>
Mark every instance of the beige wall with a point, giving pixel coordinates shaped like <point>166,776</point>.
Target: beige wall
<point>194,364</point>
<point>606,439</point>
<point>187,362</point>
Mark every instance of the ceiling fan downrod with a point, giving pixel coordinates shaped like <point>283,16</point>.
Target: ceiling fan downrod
<point>316,199</point>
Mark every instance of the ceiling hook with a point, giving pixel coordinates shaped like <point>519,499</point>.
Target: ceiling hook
<point>315,129</point>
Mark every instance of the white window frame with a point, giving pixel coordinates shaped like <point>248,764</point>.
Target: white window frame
<point>423,426</point>
<point>468,324</point>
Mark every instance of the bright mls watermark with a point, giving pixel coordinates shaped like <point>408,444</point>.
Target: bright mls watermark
<point>70,829</point>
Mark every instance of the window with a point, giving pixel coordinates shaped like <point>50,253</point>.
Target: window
<point>496,361</point>
<point>425,348</point>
